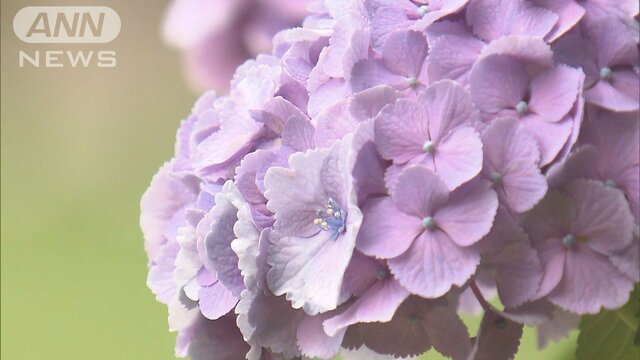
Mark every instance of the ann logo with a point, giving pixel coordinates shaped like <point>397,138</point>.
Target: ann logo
<point>66,24</point>
<point>63,26</point>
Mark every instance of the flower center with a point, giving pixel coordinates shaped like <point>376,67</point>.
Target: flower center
<point>413,319</point>
<point>429,147</point>
<point>382,273</point>
<point>610,183</point>
<point>423,10</point>
<point>495,177</point>
<point>605,73</point>
<point>568,241</point>
<point>412,82</point>
<point>428,223</point>
<point>522,108</point>
<point>331,219</point>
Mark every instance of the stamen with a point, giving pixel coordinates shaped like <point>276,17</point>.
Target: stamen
<point>429,147</point>
<point>429,223</point>
<point>522,108</point>
<point>568,241</point>
<point>605,73</point>
<point>610,183</point>
<point>423,10</point>
<point>495,177</point>
<point>330,219</point>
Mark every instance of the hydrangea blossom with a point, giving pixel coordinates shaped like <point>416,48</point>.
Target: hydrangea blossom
<point>392,164</point>
<point>216,36</point>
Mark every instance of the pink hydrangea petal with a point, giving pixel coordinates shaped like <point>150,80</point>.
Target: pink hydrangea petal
<point>518,268</point>
<point>378,303</point>
<point>439,10</point>
<point>469,213</point>
<point>369,166</point>
<point>329,128</point>
<point>433,264</point>
<point>629,182</point>
<point>401,130</point>
<point>298,134</point>
<point>602,216</point>
<point>419,192</point>
<point>569,14</point>
<point>448,106</point>
<point>451,57</point>
<point>551,137</point>
<point>579,164</point>
<point>216,301</point>
<point>314,342</point>
<point>498,338</point>
<point>458,157</point>
<point>628,259</point>
<point>493,91</point>
<point>404,52</point>
<point>386,231</point>
<point>385,20</point>
<point>300,267</point>
<point>327,94</point>
<point>369,73</point>
<point>609,97</point>
<point>166,196</point>
<point>448,334</point>
<point>615,43</point>
<point>557,328</point>
<point>220,337</point>
<point>590,282</point>
<point>276,111</point>
<point>492,19</point>
<point>531,50</point>
<point>218,250</point>
<point>531,313</point>
<point>367,104</point>
<point>403,335</point>
<point>160,277</point>
<point>361,274</point>
<point>274,322</point>
<point>553,92</point>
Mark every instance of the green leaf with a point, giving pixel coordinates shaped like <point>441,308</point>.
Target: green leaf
<point>611,334</point>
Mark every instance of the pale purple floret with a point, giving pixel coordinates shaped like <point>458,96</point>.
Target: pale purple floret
<point>608,53</point>
<point>378,295</point>
<point>317,222</point>
<point>501,86</point>
<point>498,337</point>
<point>511,162</point>
<point>417,326</point>
<point>401,66</point>
<point>508,259</point>
<point>435,131</point>
<point>424,230</point>
<point>388,16</point>
<point>576,235</point>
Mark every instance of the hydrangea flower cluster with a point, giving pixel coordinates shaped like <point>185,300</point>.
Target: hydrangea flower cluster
<point>216,36</point>
<point>393,164</point>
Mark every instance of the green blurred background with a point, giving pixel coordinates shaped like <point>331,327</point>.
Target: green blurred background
<point>79,147</point>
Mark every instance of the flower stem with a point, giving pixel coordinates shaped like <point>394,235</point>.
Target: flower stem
<point>483,302</point>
